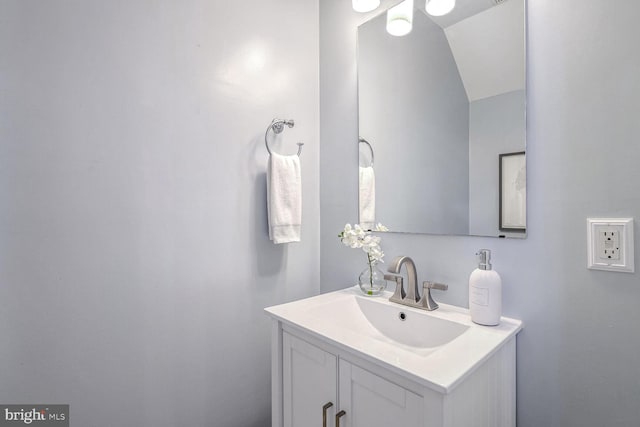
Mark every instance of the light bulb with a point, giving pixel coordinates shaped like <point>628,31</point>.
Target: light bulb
<point>365,5</point>
<point>439,7</point>
<point>400,19</point>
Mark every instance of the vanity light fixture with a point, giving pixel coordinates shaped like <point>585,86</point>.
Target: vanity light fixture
<point>439,7</point>
<point>400,19</point>
<point>365,5</point>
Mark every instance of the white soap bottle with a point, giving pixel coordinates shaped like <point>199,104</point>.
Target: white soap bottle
<point>485,292</point>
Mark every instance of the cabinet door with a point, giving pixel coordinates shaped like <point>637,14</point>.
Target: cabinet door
<point>309,382</point>
<point>371,401</point>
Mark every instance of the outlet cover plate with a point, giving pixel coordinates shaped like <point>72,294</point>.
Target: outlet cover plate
<point>610,244</point>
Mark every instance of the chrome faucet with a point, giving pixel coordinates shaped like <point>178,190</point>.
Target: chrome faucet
<point>412,296</point>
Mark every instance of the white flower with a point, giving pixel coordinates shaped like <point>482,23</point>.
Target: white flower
<point>360,232</point>
<point>349,237</point>
<point>356,237</point>
<point>369,242</point>
<point>376,254</point>
<point>380,227</point>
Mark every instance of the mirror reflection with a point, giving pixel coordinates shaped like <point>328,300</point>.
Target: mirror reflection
<point>442,121</point>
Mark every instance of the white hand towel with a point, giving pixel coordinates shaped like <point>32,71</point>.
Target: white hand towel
<point>367,198</point>
<point>284,198</point>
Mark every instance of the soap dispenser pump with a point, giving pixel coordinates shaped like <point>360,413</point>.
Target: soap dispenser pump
<point>485,292</point>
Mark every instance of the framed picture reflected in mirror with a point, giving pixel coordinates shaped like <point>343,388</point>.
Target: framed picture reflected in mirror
<point>513,192</point>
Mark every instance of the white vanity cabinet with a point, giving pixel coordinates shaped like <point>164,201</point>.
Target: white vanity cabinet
<point>315,388</point>
<point>372,401</point>
<point>328,357</point>
<point>309,382</point>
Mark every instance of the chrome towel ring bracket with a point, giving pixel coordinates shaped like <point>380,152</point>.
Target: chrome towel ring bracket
<point>361,140</point>
<point>277,126</point>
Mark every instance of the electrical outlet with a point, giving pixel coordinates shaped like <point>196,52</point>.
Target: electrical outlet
<point>610,244</point>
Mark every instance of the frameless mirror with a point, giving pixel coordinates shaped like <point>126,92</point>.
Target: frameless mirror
<point>442,121</point>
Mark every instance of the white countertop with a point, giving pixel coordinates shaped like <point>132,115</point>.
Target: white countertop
<point>335,318</point>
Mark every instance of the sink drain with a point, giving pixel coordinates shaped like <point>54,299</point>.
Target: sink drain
<point>402,316</point>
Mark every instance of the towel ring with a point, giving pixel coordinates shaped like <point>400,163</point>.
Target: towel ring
<point>361,140</point>
<point>277,126</point>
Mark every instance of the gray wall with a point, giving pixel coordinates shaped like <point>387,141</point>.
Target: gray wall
<point>415,113</point>
<point>496,126</point>
<point>577,356</point>
<point>134,256</point>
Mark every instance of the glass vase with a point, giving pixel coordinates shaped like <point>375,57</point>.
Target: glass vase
<point>371,280</point>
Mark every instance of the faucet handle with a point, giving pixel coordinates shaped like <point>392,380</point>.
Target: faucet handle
<point>427,301</point>
<point>399,294</point>
<point>434,285</point>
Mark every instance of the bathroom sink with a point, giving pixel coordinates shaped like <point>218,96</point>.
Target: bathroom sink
<point>435,348</point>
<point>401,325</point>
<point>376,318</point>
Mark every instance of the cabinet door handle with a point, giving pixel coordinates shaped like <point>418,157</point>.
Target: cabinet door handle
<point>338,415</point>
<point>324,413</point>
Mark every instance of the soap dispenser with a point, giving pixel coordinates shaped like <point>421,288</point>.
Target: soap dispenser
<point>485,292</point>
